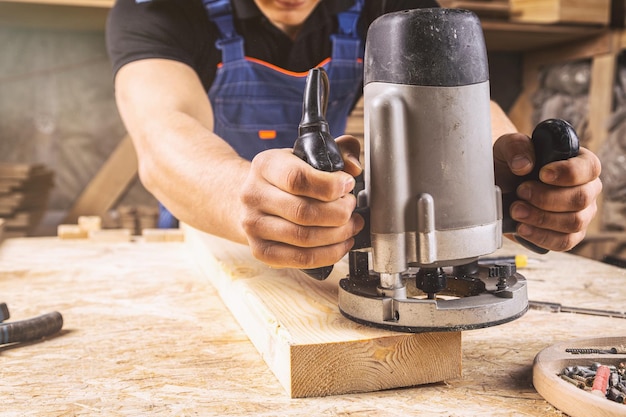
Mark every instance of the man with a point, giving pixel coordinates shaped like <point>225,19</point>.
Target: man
<point>223,163</point>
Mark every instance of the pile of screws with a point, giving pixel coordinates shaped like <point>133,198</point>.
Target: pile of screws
<point>605,380</point>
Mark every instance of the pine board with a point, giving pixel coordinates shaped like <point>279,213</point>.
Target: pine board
<point>595,12</point>
<point>295,324</point>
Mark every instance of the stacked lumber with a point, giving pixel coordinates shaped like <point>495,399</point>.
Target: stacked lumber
<point>90,227</point>
<point>134,218</point>
<point>493,9</point>
<point>597,12</point>
<point>24,192</point>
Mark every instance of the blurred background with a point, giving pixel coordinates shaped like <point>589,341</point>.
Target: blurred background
<point>64,150</point>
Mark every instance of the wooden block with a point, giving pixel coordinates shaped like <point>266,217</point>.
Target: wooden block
<point>174,235</point>
<point>89,223</point>
<point>20,220</point>
<point>295,324</point>
<point>19,170</point>
<point>596,12</point>
<point>163,235</point>
<point>1,229</point>
<point>153,235</point>
<point>110,235</point>
<point>71,231</point>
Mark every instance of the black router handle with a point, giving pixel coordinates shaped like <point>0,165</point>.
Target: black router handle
<point>314,144</point>
<point>553,140</point>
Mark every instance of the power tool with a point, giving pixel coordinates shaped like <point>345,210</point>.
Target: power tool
<point>431,205</point>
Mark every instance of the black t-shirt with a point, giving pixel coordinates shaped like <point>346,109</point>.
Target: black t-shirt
<point>180,30</point>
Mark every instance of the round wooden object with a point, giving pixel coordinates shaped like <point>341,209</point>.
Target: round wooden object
<point>567,397</point>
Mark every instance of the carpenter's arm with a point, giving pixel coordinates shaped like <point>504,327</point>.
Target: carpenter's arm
<point>290,214</point>
<point>194,173</point>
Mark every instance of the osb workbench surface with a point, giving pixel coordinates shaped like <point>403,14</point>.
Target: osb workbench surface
<point>145,334</point>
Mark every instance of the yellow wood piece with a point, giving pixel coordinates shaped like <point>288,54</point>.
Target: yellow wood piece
<point>89,223</point>
<point>71,231</point>
<point>558,11</point>
<point>163,235</point>
<point>294,322</point>
<point>110,235</point>
<point>153,235</point>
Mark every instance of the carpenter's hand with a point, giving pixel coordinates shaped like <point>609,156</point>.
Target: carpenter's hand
<point>556,212</point>
<point>297,216</point>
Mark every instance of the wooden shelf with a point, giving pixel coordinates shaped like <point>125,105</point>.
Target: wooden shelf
<point>47,14</point>
<point>80,3</point>
<point>505,36</point>
<point>500,35</point>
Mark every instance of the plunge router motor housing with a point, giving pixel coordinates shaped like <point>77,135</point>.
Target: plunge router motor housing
<point>430,189</point>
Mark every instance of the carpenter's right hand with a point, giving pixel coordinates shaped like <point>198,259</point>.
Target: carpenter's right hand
<point>296,216</point>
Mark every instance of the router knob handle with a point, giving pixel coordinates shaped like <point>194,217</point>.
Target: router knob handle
<point>553,140</point>
<point>314,144</point>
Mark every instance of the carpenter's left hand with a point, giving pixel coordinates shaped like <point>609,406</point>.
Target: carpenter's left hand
<point>555,212</point>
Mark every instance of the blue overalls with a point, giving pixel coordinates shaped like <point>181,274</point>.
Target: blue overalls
<point>258,106</point>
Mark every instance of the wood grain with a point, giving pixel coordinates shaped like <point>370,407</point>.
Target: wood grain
<point>146,334</point>
<point>558,11</point>
<point>312,349</point>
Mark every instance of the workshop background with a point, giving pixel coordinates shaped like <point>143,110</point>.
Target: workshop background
<point>63,147</point>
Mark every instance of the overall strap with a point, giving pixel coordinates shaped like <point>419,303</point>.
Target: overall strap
<point>230,42</point>
<point>347,44</point>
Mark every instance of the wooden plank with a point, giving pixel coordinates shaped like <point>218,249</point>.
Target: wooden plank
<point>510,36</point>
<point>499,9</point>
<point>48,15</point>
<point>81,3</point>
<point>296,326</point>
<point>19,170</point>
<point>557,11</point>
<point>603,70</point>
<point>108,185</point>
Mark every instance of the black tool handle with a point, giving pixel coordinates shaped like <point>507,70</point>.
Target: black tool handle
<point>31,329</point>
<point>553,140</point>
<point>4,312</point>
<point>314,144</point>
